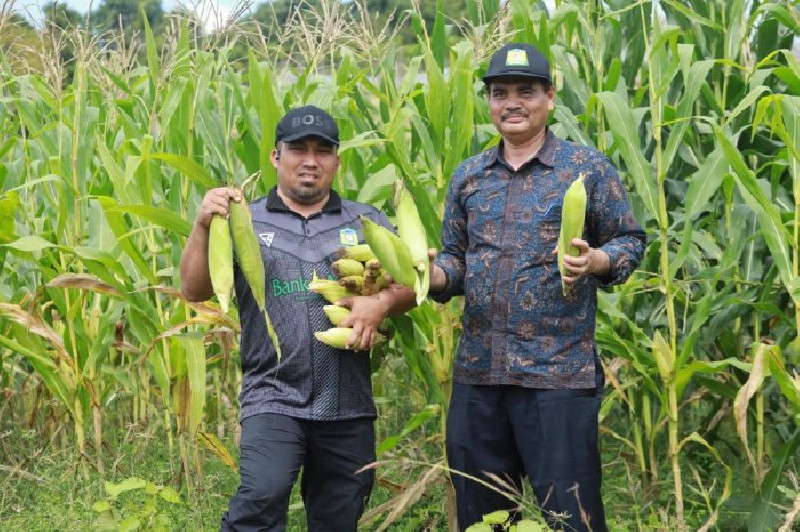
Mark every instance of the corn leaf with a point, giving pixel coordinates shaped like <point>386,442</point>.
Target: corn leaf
<point>626,135</point>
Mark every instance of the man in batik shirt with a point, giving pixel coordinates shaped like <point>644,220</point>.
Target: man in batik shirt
<point>527,379</point>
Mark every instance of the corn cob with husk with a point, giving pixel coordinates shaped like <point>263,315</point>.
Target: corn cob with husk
<point>248,253</point>
<point>337,337</point>
<point>347,267</point>
<point>335,313</point>
<point>573,216</point>
<point>412,232</point>
<point>391,251</point>
<point>330,289</point>
<point>220,260</point>
<point>373,266</point>
<point>354,283</point>
<point>363,275</point>
<point>359,252</point>
<point>369,286</point>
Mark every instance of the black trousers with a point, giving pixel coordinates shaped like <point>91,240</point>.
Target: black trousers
<point>550,436</point>
<point>275,447</point>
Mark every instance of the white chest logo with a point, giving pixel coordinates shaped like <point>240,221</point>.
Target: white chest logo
<point>266,238</point>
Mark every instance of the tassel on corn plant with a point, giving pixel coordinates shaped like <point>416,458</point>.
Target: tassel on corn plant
<point>220,260</point>
<point>248,253</point>
<point>412,232</point>
<point>573,216</point>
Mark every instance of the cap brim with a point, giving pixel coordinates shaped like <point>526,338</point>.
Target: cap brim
<point>487,79</point>
<point>306,134</point>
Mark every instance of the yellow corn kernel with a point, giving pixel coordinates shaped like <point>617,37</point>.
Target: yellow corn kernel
<point>220,260</point>
<point>573,216</point>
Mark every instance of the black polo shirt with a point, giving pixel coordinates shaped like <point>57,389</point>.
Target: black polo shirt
<point>312,381</point>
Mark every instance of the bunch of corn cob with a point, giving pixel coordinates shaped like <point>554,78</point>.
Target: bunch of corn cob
<point>573,215</point>
<point>405,257</point>
<point>358,272</point>
<point>236,234</point>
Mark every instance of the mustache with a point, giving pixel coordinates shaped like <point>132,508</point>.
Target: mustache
<point>506,116</point>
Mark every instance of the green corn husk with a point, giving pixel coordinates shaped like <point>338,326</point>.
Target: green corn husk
<point>412,232</point>
<point>248,252</point>
<point>573,216</point>
<point>391,251</point>
<point>220,260</point>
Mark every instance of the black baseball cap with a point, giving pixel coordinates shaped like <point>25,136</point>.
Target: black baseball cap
<point>518,59</point>
<point>307,121</point>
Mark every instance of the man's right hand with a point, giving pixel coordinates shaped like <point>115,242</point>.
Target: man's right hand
<point>438,279</point>
<point>195,278</point>
<point>216,202</point>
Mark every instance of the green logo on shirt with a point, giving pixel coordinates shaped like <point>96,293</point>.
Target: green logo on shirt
<point>288,287</point>
<point>285,288</point>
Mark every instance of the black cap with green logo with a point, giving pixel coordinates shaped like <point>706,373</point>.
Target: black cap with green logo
<point>518,59</point>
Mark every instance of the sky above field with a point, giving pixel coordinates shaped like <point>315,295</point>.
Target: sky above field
<point>211,10</point>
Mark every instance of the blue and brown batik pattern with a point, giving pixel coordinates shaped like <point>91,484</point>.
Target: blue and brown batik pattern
<point>499,232</point>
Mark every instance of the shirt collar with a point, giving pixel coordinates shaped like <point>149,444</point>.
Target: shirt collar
<point>546,154</point>
<point>275,203</point>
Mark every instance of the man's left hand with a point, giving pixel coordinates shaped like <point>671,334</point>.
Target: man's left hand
<point>366,314</point>
<point>590,261</point>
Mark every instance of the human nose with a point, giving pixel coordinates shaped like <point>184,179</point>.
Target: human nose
<point>310,159</point>
<point>513,102</point>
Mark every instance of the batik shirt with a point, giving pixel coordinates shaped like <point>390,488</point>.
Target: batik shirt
<point>499,231</point>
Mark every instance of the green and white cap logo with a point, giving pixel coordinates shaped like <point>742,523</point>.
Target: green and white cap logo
<point>517,58</point>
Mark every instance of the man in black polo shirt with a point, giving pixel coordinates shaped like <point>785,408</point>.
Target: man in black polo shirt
<point>314,409</point>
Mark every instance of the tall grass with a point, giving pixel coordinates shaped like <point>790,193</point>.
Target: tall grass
<point>696,102</point>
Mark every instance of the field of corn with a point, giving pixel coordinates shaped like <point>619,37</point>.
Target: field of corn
<point>118,398</point>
